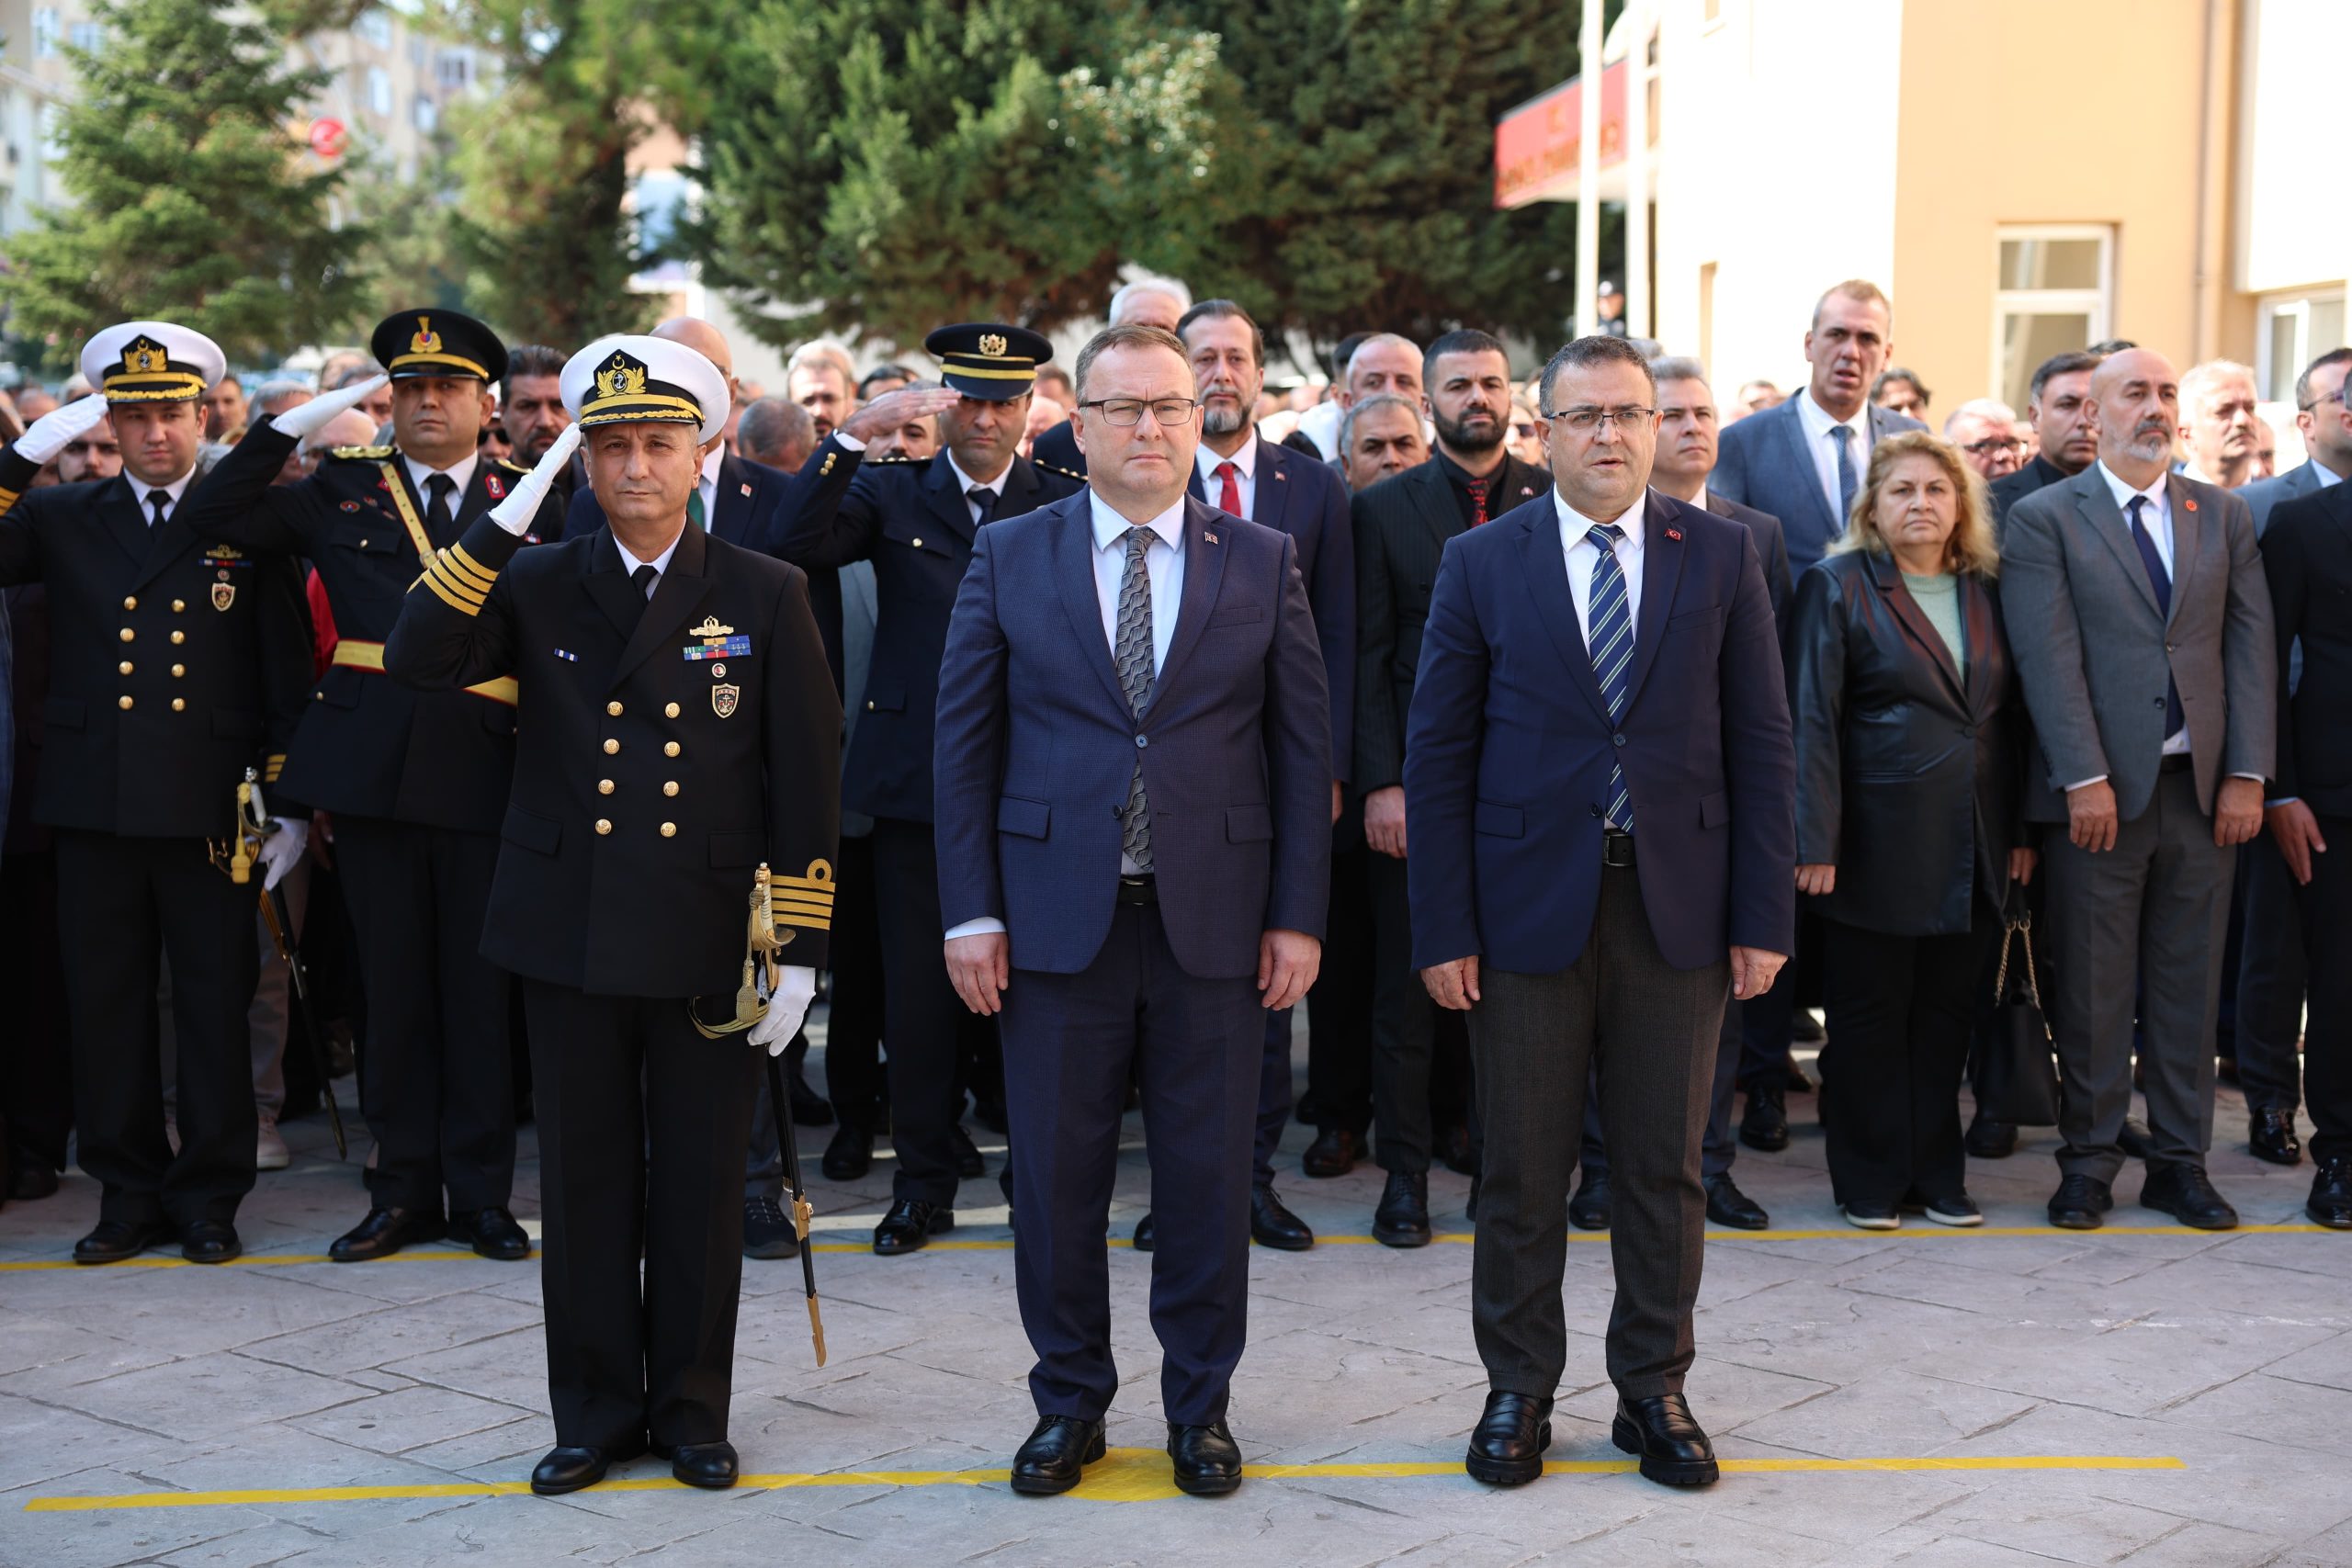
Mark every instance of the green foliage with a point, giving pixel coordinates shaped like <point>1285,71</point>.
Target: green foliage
<point>890,165</point>
<point>194,201</point>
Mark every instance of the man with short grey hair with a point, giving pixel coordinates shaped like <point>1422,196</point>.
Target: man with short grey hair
<point>1985,430</point>
<point>1381,436</point>
<point>2218,424</point>
<point>777,431</point>
<point>2141,627</point>
<point>274,397</point>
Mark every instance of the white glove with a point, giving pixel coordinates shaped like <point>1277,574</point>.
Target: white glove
<point>281,850</point>
<point>795,989</point>
<point>304,417</point>
<point>522,504</point>
<point>55,430</point>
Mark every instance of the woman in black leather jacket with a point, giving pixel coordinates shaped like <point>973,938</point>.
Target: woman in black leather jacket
<point>1909,742</point>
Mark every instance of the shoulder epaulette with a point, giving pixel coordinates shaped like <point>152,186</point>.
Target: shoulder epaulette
<point>903,462</point>
<point>363,453</point>
<point>511,465</point>
<point>1057,469</point>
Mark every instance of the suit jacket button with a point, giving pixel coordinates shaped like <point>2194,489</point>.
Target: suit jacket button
<point>1142,740</point>
<point>670,787</point>
<point>611,746</point>
<point>179,704</point>
<point>179,607</point>
<point>177,637</point>
<point>604,825</point>
<point>123,701</point>
<point>613,709</point>
<point>668,829</point>
<point>918,544</point>
<point>1596,811</point>
<point>129,636</point>
<point>604,786</point>
<point>131,602</point>
<point>124,666</point>
<point>670,712</point>
<point>670,750</point>
<point>1618,738</point>
<point>178,671</point>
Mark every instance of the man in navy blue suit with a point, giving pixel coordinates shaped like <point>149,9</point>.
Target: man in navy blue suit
<point>1600,831</point>
<point>1132,808</point>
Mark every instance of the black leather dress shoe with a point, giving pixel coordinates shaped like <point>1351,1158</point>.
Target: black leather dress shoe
<point>1334,1152</point>
<point>1146,1238</point>
<point>1588,1210</point>
<point>210,1241</point>
<point>768,1231</point>
<point>32,1178</point>
<point>850,1155</point>
<point>2271,1135</point>
<point>969,1163</point>
<point>115,1240</point>
<point>1055,1456</point>
<point>1659,1431</point>
<point>2134,1140</point>
<point>385,1232</point>
<point>909,1225</point>
<point>1208,1460</point>
<point>1271,1225</point>
<point>1729,1207</point>
<point>1507,1446</point>
<point>711,1466</point>
<point>1403,1217</point>
<point>2331,1200</point>
<point>570,1469</point>
<point>1988,1139</point>
<point>1766,1124</point>
<point>492,1233</point>
<point>809,1109</point>
<point>2080,1203</point>
<point>2187,1193</point>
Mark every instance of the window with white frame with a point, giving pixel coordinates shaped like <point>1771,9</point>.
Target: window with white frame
<point>379,90</point>
<point>2294,331</point>
<point>88,36</point>
<point>44,32</point>
<point>2054,291</point>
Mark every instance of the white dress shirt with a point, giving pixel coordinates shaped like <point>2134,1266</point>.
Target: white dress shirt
<point>1163,565</point>
<point>461,474</point>
<point>1583,554</point>
<point>660,563</point>
<point>1818,423</point>
<point>964,483</point>
<point>1244,474</point>
<point>175,490</point>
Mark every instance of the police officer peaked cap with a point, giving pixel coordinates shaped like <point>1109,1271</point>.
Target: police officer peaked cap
<point>629,380</point>
<point>152,362</point>
<point>988,359</point>
<point>434,342</point>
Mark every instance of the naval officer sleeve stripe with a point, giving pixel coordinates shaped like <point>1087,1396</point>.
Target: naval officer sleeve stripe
<point>467,568</point>
<point>471,606</point>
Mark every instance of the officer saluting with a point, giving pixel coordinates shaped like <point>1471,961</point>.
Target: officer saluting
<point>678,729</point>
<point>176,668</point>
<point>915,521</point>
<point>415,781</point>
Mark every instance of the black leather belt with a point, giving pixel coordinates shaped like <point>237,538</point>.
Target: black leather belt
<point>1138,890</point>
<point>1616,848</point>
<point>2175,762</point>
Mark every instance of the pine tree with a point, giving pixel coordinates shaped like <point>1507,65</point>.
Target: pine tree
<point>193,202</point>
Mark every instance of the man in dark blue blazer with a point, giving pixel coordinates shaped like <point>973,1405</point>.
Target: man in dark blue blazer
<point>1133,809</point>
<point>1801,461</point>
<point>1600,835</point>
<point>917,522</point>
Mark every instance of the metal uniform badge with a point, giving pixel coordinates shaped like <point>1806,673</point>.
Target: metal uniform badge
<point>723,699</point>
<point>223,595</point>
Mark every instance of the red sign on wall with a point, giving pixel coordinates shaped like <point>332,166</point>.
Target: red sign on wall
<point>1537,144</point>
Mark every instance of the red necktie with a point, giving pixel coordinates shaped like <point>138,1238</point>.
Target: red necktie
<point>1477,501</point>
<point>1228,495</point>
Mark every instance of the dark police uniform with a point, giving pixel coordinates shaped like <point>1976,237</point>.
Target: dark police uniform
<point>913,521</point>
<point>175,667</point>
<point>666,748</point>
<point>416,783</point>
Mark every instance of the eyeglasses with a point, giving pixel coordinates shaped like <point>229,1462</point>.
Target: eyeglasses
<point>1125,411</point>
<point>1585,417</point>
<point>2323,398</point>
<point>1993,444</point>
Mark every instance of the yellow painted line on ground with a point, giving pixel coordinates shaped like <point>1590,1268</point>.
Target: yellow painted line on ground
<point>1448,1238</point>
<point>1124,1475</point>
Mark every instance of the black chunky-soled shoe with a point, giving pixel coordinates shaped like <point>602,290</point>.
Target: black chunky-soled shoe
<point>384,1231</point>
<point>1729,1207</point>
<point>572,1469</point>
<point>910,1225</point>
<point>113,1240</point>
<point>1507,1446</point>
<point>210,1241</point>
<point>1659,1431</point>
<point>2330,1203</point>
<point>1055,1457</point>
<point>1208,1460</point>
<point>2187,1193</point>
<point>1403,1217</point>
<point>1273,1225</point>
<point>1766,1124</point>
<point>1334,1152</point>
<point>493,1234</point>
<point>711,1466</point>
<point>2081,1203</point>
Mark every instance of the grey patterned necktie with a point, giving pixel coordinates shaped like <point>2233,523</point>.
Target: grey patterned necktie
<point>1131,652</point>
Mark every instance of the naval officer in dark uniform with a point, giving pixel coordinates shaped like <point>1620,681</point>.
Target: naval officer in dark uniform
<point>415,781</point>
<point>175,667</point>
<point>677,728</point>
<point>916,521</point>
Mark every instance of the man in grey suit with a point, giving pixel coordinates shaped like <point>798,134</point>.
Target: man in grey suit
<point>1803,461</point>
<point>2142,626</point>
<point>2272,974</point>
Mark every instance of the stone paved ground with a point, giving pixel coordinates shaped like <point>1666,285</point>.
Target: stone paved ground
<point>2141,1396</point>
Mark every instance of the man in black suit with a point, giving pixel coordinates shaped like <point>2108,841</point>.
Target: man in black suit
<point>1686,456</point>
<point>415,782</point>
<point>680,731</point>
<point>2065,425</point>
<point>916,522</point>
<point>2307,557</point>
<point>178,671</point>
<point>1401,525</point>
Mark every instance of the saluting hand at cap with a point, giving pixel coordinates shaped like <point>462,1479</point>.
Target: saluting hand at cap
<point>304,417</point>
<point>59,428</point>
